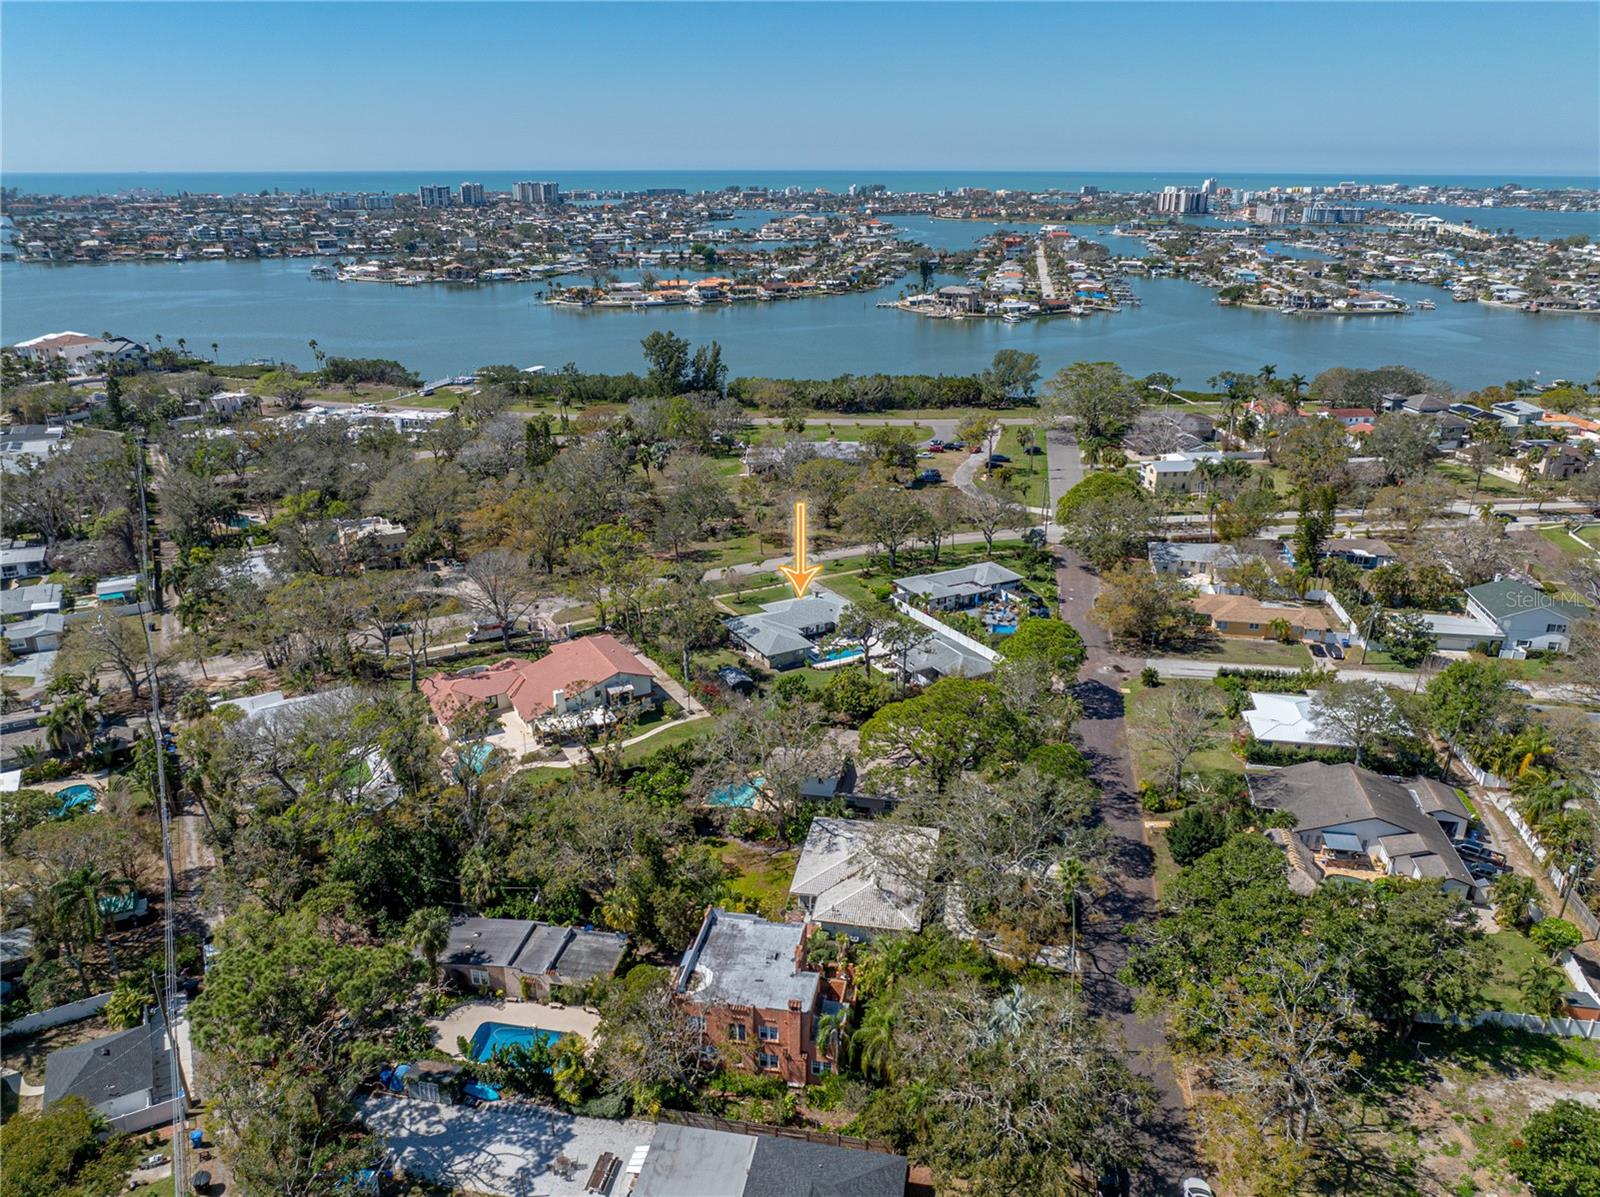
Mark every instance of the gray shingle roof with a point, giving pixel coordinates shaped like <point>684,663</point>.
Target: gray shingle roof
<point>1326,796</point>
<point>969,579</point>
<point>115,1066</point>
<point>1506,598</point>
<point>777,628</point>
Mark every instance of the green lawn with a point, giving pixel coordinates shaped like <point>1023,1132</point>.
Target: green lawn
<point>1491,485</point>
<point>1166,869</point>
<point>844,429</point>
<point>758,880</point>
<point>1583,544</point>
<point>680,733</point>
<point>1032,474</point>
<point>1241,650</point>
<point>1513,952</point>
<point>1149,761</point>
<point>1376,658</point>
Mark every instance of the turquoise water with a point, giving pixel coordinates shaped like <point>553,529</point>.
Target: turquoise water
<point>76,797</point>
<point>1003,629</point>
<point>741,796</point>
<point>271,309</point>
<point>476,757</point>
<point>491,1036</point>
<point>837,654</point>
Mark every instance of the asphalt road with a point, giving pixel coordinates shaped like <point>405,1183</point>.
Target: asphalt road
<point>1130,896</point>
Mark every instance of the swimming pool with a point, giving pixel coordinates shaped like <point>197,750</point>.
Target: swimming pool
<point>76,798</point>
<point>837,654</point>
<point>742,794</point>
<point>1003,629</point>
<point>477,756</point>
<point>491,1036</point>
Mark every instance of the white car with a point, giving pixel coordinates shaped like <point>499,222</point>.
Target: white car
<point>1195,1187</point>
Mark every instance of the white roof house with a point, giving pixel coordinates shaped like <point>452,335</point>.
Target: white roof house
<point>847,883</point>
<point>1289,719</point>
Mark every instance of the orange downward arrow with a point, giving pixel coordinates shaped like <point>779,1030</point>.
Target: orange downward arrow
<point>800,576</point>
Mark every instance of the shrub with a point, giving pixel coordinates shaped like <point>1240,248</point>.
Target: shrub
<point>1150,677</point>
<point>1059,760</point>
<point>854,696</point>
<point>1158,800</point>
<point>1558,1152</point>
<point>126,1006</point>
<point>1258,753</point>
<point>1555,936</point>
<point>1195,832</point>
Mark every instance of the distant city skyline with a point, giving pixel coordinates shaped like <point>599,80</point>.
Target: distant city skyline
<point>1400,89</point>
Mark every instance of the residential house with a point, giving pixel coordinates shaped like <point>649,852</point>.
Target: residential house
<point>958,589</point>
<point>16,950</point>
<point>688,1161</point>
<point>1241,615</point>
<point>522,958</point>
<point>850,877</point>
<point>575,684</point>
<point>126,1078</point>
<point>765,459</point>
<point>1206,562</point>
<point>81,352</point>
<point>373,537</point>
<point>1350,416</point>
<point>1517,413</point>
<point>1527,618</point>
<point>1353,822</point>
<point>1290,719</point>
<point>25,602</point>
<point>744,985</point>
<point>1367,552</point>
<point>119,590</point>
<point>24,445</point>
<point>784,634</point>
<point>37,634</point>
<point>18,560</point>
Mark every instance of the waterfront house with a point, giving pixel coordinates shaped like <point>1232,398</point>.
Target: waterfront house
<point>1526,618</point>
<point>849,882</point>
<point>744,986</point>
<point>522,958</point>
<point>785,633</point>
<point>82,353</point>
<point>1352,822</point>
<point>576,684</point>
<point>1517,413</point>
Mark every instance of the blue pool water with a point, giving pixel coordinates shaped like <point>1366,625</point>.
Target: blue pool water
<point>492,1035</point>
<point>836,654</point>
<point>74,798</point>
<point>1003,629</point>
<point>741,795</point>
<point>477,756</point>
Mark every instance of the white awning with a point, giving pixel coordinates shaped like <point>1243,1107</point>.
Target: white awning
<point>1342,841</point>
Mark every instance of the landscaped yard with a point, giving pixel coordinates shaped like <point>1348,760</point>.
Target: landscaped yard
<point>1491,485</point>
<point>1584,543</point>
<point>1240,650</point>
<point>1150,762</point>
<point>759,879</point>
<point>1513,952</point>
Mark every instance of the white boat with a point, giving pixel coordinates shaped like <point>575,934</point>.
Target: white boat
<point>1426,305</point>
<point>320,272</point>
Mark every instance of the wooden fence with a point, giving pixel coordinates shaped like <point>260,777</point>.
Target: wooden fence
<point>739,1127</point>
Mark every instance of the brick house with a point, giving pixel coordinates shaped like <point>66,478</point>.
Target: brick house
<point>744,986</point>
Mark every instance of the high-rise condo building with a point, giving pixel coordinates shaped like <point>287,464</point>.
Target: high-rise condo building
<point>472,195</point>
<point>1181,201</point>
<point>536,193</point>
<point>435,197</point>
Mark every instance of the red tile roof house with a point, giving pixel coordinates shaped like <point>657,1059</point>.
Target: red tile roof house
<point>574,684</point>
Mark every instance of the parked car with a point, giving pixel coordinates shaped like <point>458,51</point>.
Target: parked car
<point>1317,650</point>
<point>999,459</point>
<point>1195,1187</point>
<point>1033,450</point>
<point>1336,652</point>
<point>930,476</point>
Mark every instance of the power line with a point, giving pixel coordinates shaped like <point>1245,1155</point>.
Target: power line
<point>169,997</point>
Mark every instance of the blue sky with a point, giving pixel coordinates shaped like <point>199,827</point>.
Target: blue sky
<point>1315,86</point>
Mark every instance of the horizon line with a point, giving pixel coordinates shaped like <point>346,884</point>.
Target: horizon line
<point>1219,170</point>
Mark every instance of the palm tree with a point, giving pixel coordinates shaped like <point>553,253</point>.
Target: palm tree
<point>1543,988</point>
<point>1297,384</point>
<point>71,724</point>
<point>213,351</point>
<point>872,1043</point>
<point>1267,373</point>
<point>79,897</point>
<point>1009,1013</point>
<point>428,933</point>
<point>831,1030</point>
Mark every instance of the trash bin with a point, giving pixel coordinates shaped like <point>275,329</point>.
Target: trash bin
<point>196,1138</point>
<point>200,1181</point>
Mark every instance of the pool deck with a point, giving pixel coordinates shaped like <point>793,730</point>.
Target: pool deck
<point>466,1018</point>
